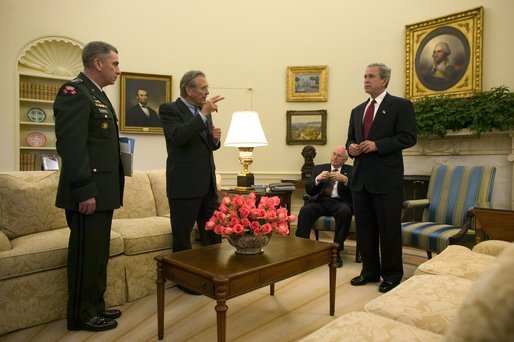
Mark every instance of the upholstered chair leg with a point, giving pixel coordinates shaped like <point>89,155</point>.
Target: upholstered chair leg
<point>429,254</point>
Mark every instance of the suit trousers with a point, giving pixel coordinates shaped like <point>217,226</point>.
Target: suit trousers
<point>88,255</point>
<point>325,206</point>
<point>185,212</point>
<point>379,234</point>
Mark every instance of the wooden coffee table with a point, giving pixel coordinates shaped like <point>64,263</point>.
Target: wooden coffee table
<point>217,272</point>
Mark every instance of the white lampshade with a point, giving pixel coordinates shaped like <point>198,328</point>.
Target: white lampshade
<point>245,130</point>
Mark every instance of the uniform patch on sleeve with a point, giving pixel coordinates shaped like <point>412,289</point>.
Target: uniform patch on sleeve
<point>69,90</point>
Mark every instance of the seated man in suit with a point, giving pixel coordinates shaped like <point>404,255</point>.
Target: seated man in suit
<point>141,115</point>
<point>330,195</point>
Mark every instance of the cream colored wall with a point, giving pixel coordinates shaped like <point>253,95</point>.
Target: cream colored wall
<point>241,45</point>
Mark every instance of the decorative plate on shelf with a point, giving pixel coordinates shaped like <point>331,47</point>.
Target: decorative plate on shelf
<point>36,114</point>
<point>36,139</point>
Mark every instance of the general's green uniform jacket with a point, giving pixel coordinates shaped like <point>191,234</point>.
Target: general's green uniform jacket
<point>88,142</point>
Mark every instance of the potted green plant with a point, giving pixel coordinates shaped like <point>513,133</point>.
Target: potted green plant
<point>481,112</point>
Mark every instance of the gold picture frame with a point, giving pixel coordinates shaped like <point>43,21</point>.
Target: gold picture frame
<point>306,127</point>
<point>444,55</point>
<point>307,83</point>
<point>133,118</point>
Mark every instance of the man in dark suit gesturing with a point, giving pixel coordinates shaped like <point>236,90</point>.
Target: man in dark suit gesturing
<point>379,130</point>
<point>329,195</point>
<point>191,139</point>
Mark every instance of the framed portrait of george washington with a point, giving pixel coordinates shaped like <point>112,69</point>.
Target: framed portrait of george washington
<point>444,55</point>
<point>140,98</point>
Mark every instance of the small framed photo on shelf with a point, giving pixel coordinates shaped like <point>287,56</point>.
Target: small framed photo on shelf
<point>444,55</point>
<point>49,162</point>
<point>140,98</point>
<point>307,83</point>
<point>306,127</point>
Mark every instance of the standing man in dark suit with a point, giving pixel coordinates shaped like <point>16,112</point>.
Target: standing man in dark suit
<point>90,184</point>
<point>191,139</point>
<point>329,195</point>
<point>379,130</point>
<point>141,115</point>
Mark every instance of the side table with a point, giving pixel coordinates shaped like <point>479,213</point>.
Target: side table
<point>492,223</point>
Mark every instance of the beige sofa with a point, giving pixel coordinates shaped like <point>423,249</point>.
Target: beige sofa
<point>34,243</point>
<point>459,295</point>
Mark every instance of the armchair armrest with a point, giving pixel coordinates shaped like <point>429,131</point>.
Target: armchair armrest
<point>419,203</point>
<point>491,247</point>
<point>410,204</point>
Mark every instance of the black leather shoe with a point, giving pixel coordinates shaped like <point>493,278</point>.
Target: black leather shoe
<point>339,261</point>
<point>188,291</point>
<point>387,286</point>
<point>363,280</point>
<point>111,313</point>
<point>96,323</point>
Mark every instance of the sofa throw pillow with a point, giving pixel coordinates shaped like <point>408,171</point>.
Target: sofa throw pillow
<point>27,203</point>
<point>488,310</point>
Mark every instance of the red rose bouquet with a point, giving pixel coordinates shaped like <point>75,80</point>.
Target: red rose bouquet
<point>240,215</point>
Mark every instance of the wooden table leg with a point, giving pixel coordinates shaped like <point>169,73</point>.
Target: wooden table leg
<point>160,299</point>
<point>332,281</point>
<point>272,289</point>
<point>221,308</point>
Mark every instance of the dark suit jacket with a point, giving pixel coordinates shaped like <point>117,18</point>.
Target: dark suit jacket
<point>136,117</point>
<point>190,165</point>
<point>393,129</point>
<point>315,190</point>
<point>87,140</point>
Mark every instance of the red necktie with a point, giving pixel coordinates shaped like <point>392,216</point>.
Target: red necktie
<point>368,119</point>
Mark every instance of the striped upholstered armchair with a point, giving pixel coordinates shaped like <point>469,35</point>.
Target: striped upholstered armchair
<point>452,191</point>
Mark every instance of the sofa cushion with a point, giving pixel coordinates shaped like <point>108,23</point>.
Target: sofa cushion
<point>42,251</point>
<point>487,313</point>
<point>364,326</point>
<point>138,200</point>
<point>142,235</point>
<point>429,302</point>
<point>491,247</point>
<point>5,245</point>
<point>27,203</point>
<point>158,183</point>
<point>458,261</point>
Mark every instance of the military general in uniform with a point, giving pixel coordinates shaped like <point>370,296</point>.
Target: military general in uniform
<point>91,183</point>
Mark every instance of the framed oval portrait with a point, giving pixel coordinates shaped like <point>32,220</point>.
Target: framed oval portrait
<point>444,55</point>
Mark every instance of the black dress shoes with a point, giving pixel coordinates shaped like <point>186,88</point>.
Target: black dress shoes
<point>363,280</point>
<point>96,323</point>
<point>111,313</point>
<point>387,286</point>
<point>188,291</point>
<point>339,261</point>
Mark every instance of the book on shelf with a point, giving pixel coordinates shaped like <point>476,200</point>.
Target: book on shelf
<point>285,186</point>
<point>127,155</point>
<point>27,161</point>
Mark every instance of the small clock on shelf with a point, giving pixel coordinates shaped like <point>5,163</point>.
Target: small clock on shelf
<point>36,139</point>
<point>36,114</point>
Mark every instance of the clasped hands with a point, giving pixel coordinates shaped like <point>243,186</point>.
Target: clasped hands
<point>331,176</point>
<point>366,146</point>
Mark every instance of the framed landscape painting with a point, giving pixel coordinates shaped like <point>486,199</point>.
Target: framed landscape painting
<point>307,127</point>
<point>307,84</point>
